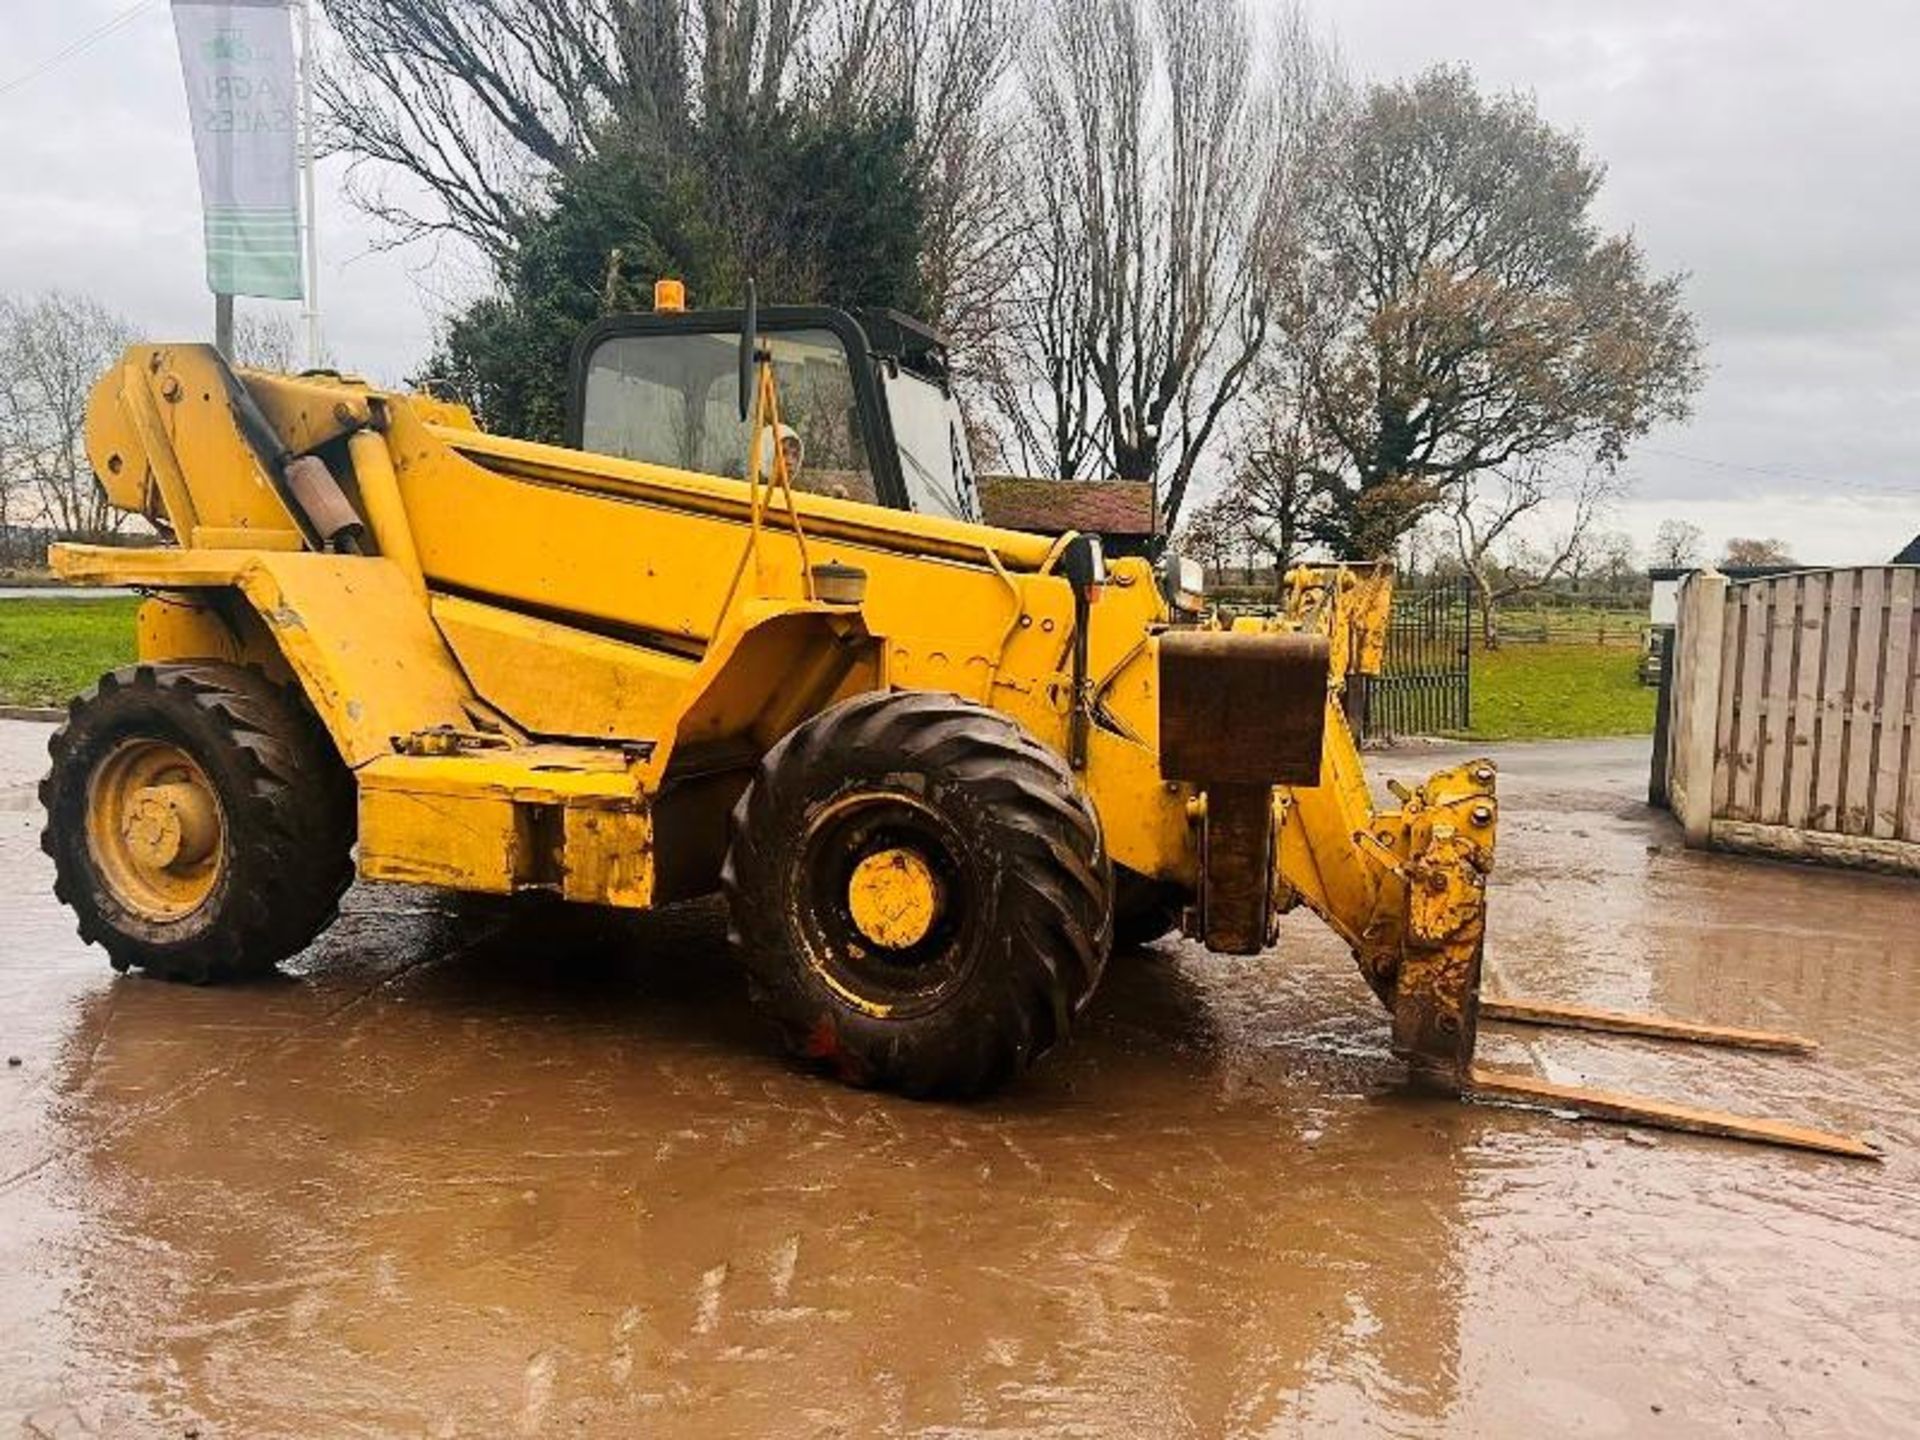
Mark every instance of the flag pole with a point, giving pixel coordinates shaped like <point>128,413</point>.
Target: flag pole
<point>306,184</point>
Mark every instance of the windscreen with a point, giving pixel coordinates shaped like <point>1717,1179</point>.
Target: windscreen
<point>673,399</point>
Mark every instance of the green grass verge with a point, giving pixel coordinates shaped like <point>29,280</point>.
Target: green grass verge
<point>54,648</point>
<point>1542,692</point>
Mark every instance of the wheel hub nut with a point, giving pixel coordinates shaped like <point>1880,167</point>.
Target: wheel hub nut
<point>171,826</point>
<point>894,897</point>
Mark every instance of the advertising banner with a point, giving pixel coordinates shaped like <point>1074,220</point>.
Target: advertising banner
<point>237,57</point>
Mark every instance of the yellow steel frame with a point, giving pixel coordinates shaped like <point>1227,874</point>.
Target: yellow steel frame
<point>544,640</point>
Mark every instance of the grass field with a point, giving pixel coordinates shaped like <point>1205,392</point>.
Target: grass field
<point>51,649</point>
<point>1571,625</point>
<point>1542,692</point>
<point>54,648</point>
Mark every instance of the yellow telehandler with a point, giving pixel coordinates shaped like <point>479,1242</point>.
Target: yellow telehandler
<point>746,633</point>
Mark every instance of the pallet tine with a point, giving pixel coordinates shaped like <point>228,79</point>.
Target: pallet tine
<point>1505,1086</point>
<point>1655,1027</point>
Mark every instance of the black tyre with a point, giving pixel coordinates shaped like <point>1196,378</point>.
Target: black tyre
<point>200,822</point>
<point>918,893</point>
<point>1144,909</point>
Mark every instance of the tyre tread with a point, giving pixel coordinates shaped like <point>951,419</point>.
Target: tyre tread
<point>294,817</point>
<point>1054,902</point>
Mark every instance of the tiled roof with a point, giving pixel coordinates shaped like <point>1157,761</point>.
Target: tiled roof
<point>1049,507</point>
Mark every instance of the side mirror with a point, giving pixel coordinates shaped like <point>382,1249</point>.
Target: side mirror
<point>749,351</point>
<point>1084,564</point>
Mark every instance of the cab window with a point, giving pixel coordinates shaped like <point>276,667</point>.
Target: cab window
<point>673,399</point>
<point>932,440</point>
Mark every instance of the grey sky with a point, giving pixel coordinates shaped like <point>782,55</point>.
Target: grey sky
<point>1767,148</point>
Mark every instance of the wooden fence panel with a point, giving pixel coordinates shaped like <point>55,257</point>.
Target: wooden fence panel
<point>1776,720</point>
<point>1748,634</point>
<point>1895,759</point>
<point>1829,734</point>
<point>1810,692</point>
<point>1810,618</point>
<point>1725,707</point>
<point>1863,705</point>
<point>1890,705</point>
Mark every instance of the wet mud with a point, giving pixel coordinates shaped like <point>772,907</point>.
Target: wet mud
<point>482,1170</point>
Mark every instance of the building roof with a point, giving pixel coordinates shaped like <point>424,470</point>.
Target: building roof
<point>1910,555</point>
<point>1051,507</point>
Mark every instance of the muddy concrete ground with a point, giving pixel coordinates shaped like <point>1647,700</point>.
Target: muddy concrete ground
<point>466,1172</point>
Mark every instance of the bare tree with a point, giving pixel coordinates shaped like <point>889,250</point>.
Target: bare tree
<point>1485,506</point>
<point>1215,534</point>
<point>1032,366</point>
<point>1743,551</point>
<point>1269,500</point>
<point>53,347</point>
<point>13,475</point>
<point>1275,457</point>
<point>950,76</point>
<point>1615,558</point>
<point>1270,490</point>
<point>460,117</point>
<point>10,484</point>
<point>1165,148</point>
<point>478,104</point>
<point>1676,545</point>
<point>267,342</point>
<point>1458,310</point>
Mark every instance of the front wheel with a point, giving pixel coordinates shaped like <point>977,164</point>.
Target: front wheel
<point>199,820</point>
<point>918,893</point>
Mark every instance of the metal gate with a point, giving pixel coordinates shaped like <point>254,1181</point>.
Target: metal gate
<point>1424,687</point>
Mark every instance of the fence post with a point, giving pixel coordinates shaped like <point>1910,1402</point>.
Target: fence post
<point>1657,794</point>
<point>1699,633</point>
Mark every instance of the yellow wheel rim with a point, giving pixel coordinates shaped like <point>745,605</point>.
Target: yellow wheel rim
<point>894,898</point>
<point>155,829</point>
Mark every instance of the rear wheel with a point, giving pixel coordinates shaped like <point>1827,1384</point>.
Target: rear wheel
<point>918,893</point>
<point>200,823</point>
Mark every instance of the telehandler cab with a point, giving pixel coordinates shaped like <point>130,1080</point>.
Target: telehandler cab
<point>934,767</point>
